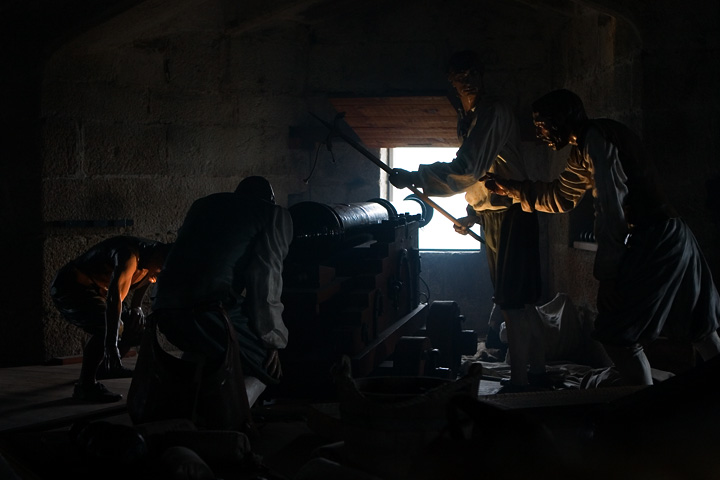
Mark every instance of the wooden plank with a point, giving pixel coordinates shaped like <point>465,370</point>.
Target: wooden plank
<point>366,360</point>
<point>396,140</point>
<point>408,132</point>
<point>393,100</point>
<point>386,122</point>
<point>422,112</point>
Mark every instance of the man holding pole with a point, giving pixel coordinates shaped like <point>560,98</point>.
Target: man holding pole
<point>653,277</point>
<point>489,145</point>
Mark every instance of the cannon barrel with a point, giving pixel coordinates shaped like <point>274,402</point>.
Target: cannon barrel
<point>322,228</point>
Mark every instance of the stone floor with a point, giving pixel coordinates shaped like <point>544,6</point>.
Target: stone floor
<point>671,432</point>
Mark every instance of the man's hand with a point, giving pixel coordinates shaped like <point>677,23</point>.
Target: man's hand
<point>272,364</point>
<point>112,360</point>
<point>133,326</point>
<point>135,321</point>
<point>504,186</point>
<point>466,222</point>
<point>401,178</point>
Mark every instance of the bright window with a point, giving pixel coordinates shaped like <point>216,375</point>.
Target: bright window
<point>439,233</point>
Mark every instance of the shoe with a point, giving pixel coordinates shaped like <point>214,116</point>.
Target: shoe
<point>115,372</point>
<point>94,393</point>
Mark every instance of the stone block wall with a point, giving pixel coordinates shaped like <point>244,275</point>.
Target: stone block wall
<point>144,112</point>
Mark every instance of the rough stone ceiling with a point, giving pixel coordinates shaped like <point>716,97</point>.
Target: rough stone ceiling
<point>65,18</point>
<point>379,121</point>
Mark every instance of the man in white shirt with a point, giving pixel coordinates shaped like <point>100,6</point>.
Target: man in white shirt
<point>653,278</point>
<point>487,128</point>
<point>229,253</point>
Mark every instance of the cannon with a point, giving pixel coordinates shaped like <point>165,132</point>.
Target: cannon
<point>352,288</point>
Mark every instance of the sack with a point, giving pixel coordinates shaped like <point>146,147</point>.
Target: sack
<point>165,387</point>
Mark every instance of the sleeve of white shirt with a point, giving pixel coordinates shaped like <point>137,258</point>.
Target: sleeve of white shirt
<point>492,129</point>
<point>562,194</point>
<point>264,279</point>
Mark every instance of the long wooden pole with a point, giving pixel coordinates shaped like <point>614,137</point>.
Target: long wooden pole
<point>387,169</point>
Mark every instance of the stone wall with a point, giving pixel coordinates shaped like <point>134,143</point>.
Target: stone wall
<point>168,101</point>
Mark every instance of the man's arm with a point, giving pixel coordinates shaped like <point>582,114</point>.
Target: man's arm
<point>118,289</point>
<point>136,321</point>
<point>491,131</point>
<point>265,283</point>
<point>264,279</point>
<point>559,196</point>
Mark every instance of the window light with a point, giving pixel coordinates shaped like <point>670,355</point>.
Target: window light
<point>439,233</point>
